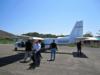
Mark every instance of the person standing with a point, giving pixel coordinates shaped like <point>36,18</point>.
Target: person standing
<point>28,49</point>
<point>53,48</point>
<point>79,47</point>
<point>37,48</point>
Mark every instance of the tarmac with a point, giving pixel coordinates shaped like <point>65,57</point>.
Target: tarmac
<point>67,62</point>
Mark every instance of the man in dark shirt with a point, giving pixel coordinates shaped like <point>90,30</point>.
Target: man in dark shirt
<point>53,48</point>
<point>28,50</point>
<point>79,47</point>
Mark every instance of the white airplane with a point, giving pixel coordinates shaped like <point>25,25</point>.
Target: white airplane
<point>76,32</point>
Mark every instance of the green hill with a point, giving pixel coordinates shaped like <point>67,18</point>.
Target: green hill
<point>6,37</point>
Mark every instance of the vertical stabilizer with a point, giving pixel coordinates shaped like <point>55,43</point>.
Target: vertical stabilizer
<point>77,31</point>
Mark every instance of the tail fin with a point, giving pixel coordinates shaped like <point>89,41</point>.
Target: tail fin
<point>77,31</point>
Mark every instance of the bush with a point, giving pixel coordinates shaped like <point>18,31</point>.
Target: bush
<point>6,41</point>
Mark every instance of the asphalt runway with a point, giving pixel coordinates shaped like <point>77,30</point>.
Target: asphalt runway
<point>67,62</point>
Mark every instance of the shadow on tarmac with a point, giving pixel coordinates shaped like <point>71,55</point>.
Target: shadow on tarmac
<point>19,50</point>
<point>11,59</point>
<point>14,58</point>
<point>77,55</point>
<point>31,66</point>
<point>60,53</point>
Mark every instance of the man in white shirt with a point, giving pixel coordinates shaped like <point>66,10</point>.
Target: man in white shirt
<point>37,48</point>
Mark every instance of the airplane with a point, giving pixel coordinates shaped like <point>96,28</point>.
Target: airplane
<point>77,31</point>
<point>70,39</point>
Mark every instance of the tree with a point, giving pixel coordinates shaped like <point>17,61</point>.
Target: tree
<point>36,34</point>
<point>32,34</point>
<point>88,34</point>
